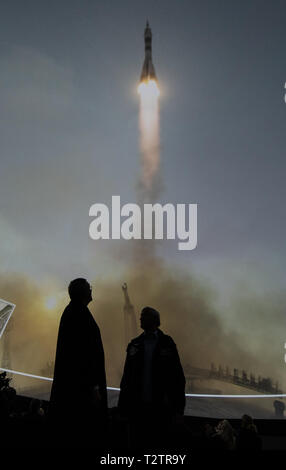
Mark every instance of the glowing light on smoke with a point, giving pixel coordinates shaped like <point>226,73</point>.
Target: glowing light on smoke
<point>149,130</point>
<point>50,302</point>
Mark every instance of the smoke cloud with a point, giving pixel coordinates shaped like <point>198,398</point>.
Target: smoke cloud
<point>187,314</point>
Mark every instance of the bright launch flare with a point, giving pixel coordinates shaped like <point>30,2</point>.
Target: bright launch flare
<point>149,90</point>
<point>149,116</point>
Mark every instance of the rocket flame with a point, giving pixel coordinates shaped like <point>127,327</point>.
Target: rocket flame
<point>149,131</point>
<point>148,90</point>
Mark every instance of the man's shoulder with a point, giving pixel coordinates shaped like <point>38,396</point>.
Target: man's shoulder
<point>69,312</point>
<point>138,340</point>
<point>162,337</point>
<point>166,339</point>
<point>77,314</point>
<point>74,307</point>
<point>66,313</point>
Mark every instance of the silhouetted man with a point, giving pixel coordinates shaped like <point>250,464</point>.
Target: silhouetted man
<point>78,397</point>
<point>153,382</point>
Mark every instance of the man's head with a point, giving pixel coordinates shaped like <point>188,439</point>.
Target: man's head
<point>80,291</point>
<point>150,319</point>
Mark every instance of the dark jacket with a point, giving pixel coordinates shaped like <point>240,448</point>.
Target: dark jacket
<point>79,364</point>
<point>168,378</point>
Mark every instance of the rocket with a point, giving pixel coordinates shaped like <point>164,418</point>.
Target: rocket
<point>148,70</point>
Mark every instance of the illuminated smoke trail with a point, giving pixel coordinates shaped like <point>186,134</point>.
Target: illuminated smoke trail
<point>149,137</point>
<point>149,144</point>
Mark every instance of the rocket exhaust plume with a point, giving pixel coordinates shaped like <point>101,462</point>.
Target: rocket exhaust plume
<point>149,119</point>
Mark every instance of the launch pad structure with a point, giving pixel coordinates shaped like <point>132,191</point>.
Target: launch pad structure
<point>130,324</point>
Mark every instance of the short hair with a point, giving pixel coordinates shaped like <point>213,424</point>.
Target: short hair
<point>152,312</point>
<point>77,288</point>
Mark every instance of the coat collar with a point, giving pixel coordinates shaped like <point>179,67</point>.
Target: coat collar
<point>140,339</point>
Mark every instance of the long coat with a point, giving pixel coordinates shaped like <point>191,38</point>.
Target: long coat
<point>168,380</point>
<point>79,364</point>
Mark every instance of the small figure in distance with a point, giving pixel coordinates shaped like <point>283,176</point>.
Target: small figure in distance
<point>279,407</point>
<point>152,389</point>
<point>78,397</point>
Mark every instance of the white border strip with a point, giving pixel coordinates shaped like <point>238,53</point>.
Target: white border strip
<point>26,375</point>
<point>196,395</point>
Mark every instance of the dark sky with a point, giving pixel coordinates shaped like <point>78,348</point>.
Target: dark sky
<point>69,131</point>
